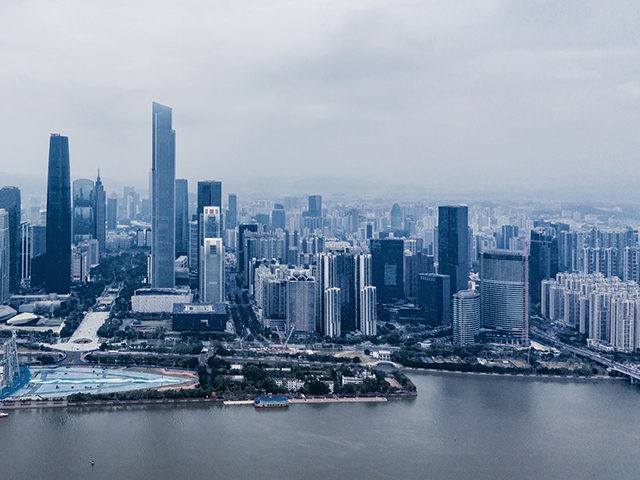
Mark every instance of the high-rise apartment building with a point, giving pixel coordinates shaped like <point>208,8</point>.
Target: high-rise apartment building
<point>163,198</point>
<point>112,213</point>
<point>332,312</point>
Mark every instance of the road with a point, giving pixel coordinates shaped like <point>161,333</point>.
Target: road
<point>633,373</point>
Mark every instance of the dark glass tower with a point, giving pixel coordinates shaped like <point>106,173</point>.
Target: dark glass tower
<point>232,216</point>
<point>543,261</point>
<point>112,213</point>
<point>100,214</point>
<point>278,217</point>
<point>209,195</point>
<point>387,268</point>
<point>58,255</point>
<point>453,245</point>
<point>163,174</point>
<point>10,201</point>
<point>83,213</point>
<point>182,217</point>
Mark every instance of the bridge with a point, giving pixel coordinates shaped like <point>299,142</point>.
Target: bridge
<point>632,373</point>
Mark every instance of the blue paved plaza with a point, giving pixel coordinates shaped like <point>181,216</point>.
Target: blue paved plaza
<point>65,381</point>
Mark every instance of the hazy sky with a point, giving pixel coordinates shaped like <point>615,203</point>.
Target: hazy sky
<point>441,95</point>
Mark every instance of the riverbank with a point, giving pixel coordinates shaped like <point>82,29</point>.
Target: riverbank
<point>63,403</point>
<point>534,376</point>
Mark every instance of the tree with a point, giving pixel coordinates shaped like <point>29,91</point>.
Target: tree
<point>316,387</point>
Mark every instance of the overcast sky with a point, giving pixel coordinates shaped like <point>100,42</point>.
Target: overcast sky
<point>437,95</point>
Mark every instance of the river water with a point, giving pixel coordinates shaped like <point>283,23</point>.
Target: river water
<point>459,427</point>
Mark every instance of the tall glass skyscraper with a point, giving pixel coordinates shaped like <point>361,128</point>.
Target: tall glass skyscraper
<point>163,174</point>
<point>182,217</point>
<point>453,245</point>
<point>58,255</point>
<point>10,201</point>
<point>232,212</point>
<point>387,268</point>
<point>83,213</point>
<point>504,280</point>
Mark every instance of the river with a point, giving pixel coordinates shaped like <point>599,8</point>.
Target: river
<point>459,427</point>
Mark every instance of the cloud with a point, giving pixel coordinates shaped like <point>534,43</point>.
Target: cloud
<point>451,95</point>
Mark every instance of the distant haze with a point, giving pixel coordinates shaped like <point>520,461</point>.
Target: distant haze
<point>447,97</point>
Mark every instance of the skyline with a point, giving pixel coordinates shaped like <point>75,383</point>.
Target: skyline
<point>467,99</point>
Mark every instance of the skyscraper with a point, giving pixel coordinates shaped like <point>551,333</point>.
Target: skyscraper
<point>367,322</point>
<point>112,213</point>
<point>232,216</point>
<point>466,317</point>
<point>209,194</point>
<point>315,206</point>
<point>163,199</point>
<point>505,295</point>
<point>99,213</point>
<point>5,257</point>
<point>387,268</point>
<point>453,245</point>
<point>543,260</point>
<point>212,284</point>
<point>58,255</point>
<point>278,217</point>
<point>301,306</point>
<point>332,312</point>
<point>182,217</point>
<point>10,201</point>
<point>434,296</point>
<point>83,215</point>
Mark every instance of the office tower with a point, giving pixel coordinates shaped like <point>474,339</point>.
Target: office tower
<point>163,200</point>
<point>194,245</point>
<point>83,226</point>
<point>243,229</point>
<point>211,222</point>
<point>315,206</point>
<point>387,268</point>
<point>212,284</point>
<point>112,213</point>
<point>414,265</point>
<point>10,201</point>
<point>301,307</point>
<point>278,217</point>
<point>99,212</point>
<point>5,256</point>
<point>58,255</point>
<point>504,290</point>
<point>397,221</point>
<point>453,245</point>
<point>434,297</point>
<point>182,217</point>
<point>367,321</point>
<point>263,220</point>
<point>232,220</point>
<point>209,194</point>
<point>25,251</point>
<point>466,317</point>
<point>332,312</point>
<point>543,261</point>
<point>507,233</point>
